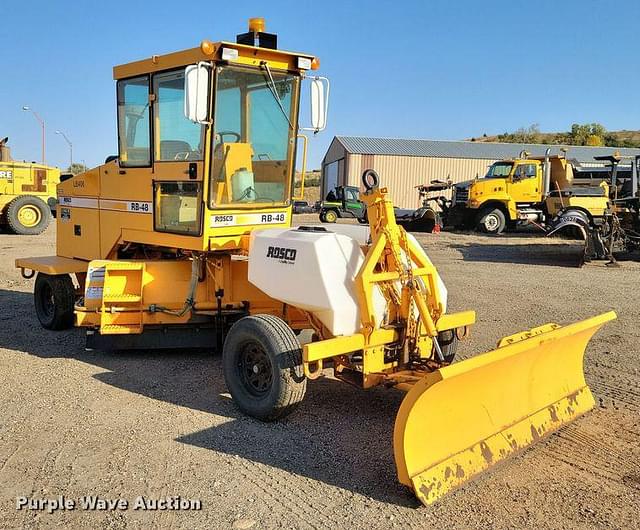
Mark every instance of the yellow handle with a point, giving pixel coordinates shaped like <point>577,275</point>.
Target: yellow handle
<point>305,142</point>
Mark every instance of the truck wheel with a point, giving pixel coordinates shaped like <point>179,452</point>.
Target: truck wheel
<point>27,215</point>
<point>54,297</point>
<point>262,364</point>
<point>330,216</point>
<point>491,221</point>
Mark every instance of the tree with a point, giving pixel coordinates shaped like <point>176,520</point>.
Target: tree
<point>524,135</point>
<point>594,140</point>
<point>76,169</point>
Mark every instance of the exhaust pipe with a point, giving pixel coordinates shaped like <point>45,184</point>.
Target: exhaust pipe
<point>546,174</point>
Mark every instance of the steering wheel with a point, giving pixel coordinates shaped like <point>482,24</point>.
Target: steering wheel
<point>222,134</point>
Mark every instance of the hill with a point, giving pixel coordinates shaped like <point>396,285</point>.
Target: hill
<point>592,134</point>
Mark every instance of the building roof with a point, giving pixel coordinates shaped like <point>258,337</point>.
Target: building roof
<point>467,149</point>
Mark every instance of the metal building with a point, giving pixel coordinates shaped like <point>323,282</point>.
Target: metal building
<point>403,164</point>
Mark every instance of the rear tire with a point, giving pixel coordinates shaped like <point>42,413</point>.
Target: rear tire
<point>363,220</point>
<point>491,221</point>
<point>262,364</point>
<point>54,298</point>
<point>28,216</point>
<point>330,216</point>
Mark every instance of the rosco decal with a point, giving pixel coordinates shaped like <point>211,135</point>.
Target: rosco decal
<point>282,254</point>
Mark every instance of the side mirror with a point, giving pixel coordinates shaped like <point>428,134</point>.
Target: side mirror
<point>196,92</point>
<point>319,96</point>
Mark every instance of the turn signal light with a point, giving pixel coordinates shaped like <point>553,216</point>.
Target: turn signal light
<point>207,47</point>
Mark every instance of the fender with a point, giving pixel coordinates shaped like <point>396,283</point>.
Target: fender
<point>570,218</point>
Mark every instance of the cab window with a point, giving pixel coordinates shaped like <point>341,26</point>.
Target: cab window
<point>351,196</point>
<point>177,138</point>
<point>254,137</point>
<point>499,170</point>
<point>525,171</point>
<point>133,122</point>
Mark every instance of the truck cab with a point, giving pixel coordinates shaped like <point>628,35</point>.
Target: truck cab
<point>523,189</point>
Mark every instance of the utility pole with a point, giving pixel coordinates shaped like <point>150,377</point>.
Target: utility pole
<point>27,108</point>
<point>70,147</point>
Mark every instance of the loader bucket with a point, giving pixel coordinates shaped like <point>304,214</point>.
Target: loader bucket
<point>464,418</point>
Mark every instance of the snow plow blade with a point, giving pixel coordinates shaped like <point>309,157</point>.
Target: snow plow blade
<point>466,417</point>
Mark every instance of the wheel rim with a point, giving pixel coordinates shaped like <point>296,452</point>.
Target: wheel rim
<point>29,216</point>
<point>47,303</point>
<point>331,217</point>
<point>491,222</point>
<point>255,370</point>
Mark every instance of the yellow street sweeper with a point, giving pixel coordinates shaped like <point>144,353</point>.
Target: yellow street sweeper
<point>185,240</point>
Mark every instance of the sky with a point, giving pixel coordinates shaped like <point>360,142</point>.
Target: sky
<point>442,70</point>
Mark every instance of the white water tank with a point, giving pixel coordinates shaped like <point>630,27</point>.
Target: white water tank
<point>313,270</point>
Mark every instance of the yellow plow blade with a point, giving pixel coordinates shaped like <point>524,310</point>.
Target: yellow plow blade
<point>464,418</point>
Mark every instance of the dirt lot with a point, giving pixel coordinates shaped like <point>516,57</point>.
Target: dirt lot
<point>79,423</point>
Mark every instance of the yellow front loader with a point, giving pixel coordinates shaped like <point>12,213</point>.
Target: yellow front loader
<point>185,240</point>
<point>27,193</point>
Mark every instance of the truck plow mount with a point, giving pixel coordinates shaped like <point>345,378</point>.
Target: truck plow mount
<point>463,418</point>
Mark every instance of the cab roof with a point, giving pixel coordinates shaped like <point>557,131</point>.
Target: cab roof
<point>208,51</point>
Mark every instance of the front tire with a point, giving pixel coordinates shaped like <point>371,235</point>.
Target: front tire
<point>54,298</point>
<point>28,216</point>
<point>262,364</point>
<point>491,221</point>
<point>330,216</point>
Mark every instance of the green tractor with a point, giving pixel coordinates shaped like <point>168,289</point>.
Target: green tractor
<point>343,201</point>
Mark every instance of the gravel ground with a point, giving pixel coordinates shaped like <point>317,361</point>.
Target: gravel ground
<point>121,425</point>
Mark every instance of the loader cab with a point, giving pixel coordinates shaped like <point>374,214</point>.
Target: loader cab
<point>209,137</point>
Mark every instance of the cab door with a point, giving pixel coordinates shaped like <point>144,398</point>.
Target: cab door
<point>524,185</point>
<point>352,202</point>
<point>178,161</point>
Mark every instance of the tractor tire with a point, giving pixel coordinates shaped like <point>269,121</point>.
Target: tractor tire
<point>54,298</point>
<point>28,216</point>
<point>448,342</point>
<point>330,216</point>
<point>491,221</point>
<point>262,364</point>
<point>363,220</point>
<point>322,217</point>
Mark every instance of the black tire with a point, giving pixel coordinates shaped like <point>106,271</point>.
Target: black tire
<point>363,220</point>
<point>330,216</point>
<point>448,342</point>
<point>322,217</point>
<point>491,221</point>
<point>35,207</point>
<point>262,364</point>
<point>54,298</point>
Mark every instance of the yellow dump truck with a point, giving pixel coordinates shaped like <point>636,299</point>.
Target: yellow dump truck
<point>27,193</point>
<point>525,189</point>
<point>186,240</point>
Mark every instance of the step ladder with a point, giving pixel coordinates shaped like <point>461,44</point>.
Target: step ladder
<point>122,309</point>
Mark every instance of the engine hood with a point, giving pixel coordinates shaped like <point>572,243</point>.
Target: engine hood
<point>464,185</point>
